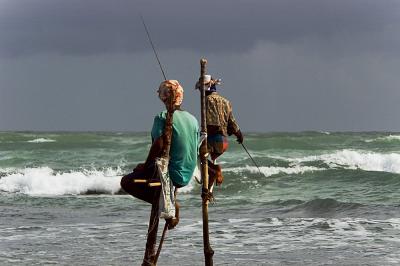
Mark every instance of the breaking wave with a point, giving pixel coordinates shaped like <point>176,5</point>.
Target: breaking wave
<point>341,159</point>
<point>386,138</point>
<point>45,181</point>
<point>270,171</point>
<point>41,140</point>
<point>353,159</point>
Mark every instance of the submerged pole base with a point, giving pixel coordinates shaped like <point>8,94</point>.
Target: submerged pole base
<point>208,254</point>
<point>148,263</point>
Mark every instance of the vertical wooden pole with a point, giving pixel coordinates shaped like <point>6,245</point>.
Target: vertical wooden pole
<point>152,233</point>
<point>208,252</point>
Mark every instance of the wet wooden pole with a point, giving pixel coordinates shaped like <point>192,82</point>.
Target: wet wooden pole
<point>205,194</point>
<point>149,254</point>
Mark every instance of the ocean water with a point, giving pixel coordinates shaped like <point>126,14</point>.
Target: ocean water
<point>321,199</point>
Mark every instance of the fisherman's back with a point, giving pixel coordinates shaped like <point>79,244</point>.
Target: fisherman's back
<point>219,115</point>
<point>185,138</point>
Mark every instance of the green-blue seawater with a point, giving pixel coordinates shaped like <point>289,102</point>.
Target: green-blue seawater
<point>321,198</point>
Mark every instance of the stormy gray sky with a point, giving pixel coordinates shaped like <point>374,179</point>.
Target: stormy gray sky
<point>286,65</point>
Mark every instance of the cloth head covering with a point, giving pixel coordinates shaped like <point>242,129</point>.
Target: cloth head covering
<point>166,87</point>
<point>207,79</point>
<point>210,83</point>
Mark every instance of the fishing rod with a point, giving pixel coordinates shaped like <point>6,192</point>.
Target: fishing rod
<point>152,46</point>
<point>152,234</point>
<point>244,147</point>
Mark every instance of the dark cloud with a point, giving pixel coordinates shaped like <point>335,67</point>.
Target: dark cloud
<point>101,26</point>
<point>286,65</point>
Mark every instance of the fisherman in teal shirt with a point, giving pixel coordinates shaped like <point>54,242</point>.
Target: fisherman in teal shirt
<point>183,151</point>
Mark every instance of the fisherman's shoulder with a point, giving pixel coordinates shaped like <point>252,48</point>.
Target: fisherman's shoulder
<point>214,96</point>
<point>161,116</point>
<point>186,114</point>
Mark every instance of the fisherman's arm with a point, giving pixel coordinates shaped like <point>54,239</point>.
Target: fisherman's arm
<point>157,135</point>
<point>154,152</point>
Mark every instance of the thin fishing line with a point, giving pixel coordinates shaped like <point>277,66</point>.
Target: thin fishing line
<point>154,49</point>
<point>244,147</point>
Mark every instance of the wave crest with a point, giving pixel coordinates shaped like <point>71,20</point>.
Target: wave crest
<point>41,140</point>
<point>353,159</point>
<point>45,181</point>
<point>386,138</point>
<point>269,171</point>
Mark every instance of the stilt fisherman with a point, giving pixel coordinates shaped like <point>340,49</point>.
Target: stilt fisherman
<point>183,150</point>
<point>221,123</point>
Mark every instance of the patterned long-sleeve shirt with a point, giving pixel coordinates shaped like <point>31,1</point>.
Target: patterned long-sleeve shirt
<point>219,113</point>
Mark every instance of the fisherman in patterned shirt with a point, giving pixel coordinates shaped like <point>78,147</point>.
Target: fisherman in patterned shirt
<point>220,124</point>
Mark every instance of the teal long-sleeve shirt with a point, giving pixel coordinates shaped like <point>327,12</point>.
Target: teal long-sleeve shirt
<point>184,145</point>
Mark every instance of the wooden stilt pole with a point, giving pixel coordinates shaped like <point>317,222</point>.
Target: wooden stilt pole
<point>152,234</point>
<point>166,227</point>
<point>208,252</point>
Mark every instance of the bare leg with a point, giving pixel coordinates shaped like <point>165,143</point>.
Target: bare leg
<point>215,174</point>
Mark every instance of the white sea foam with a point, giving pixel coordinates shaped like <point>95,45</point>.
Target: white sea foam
<point>238,220</point>
<point>395,222</point>
<point>348,159</point>
<point>41,140</point>
<point>355,159</point>
<point>45,181</point>
<point>189,187</point>
<point>391,137</point>
<point>386,138</point>
<point>269,171</point>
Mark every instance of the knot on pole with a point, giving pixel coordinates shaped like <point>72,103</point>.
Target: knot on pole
<point>206,195</point>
